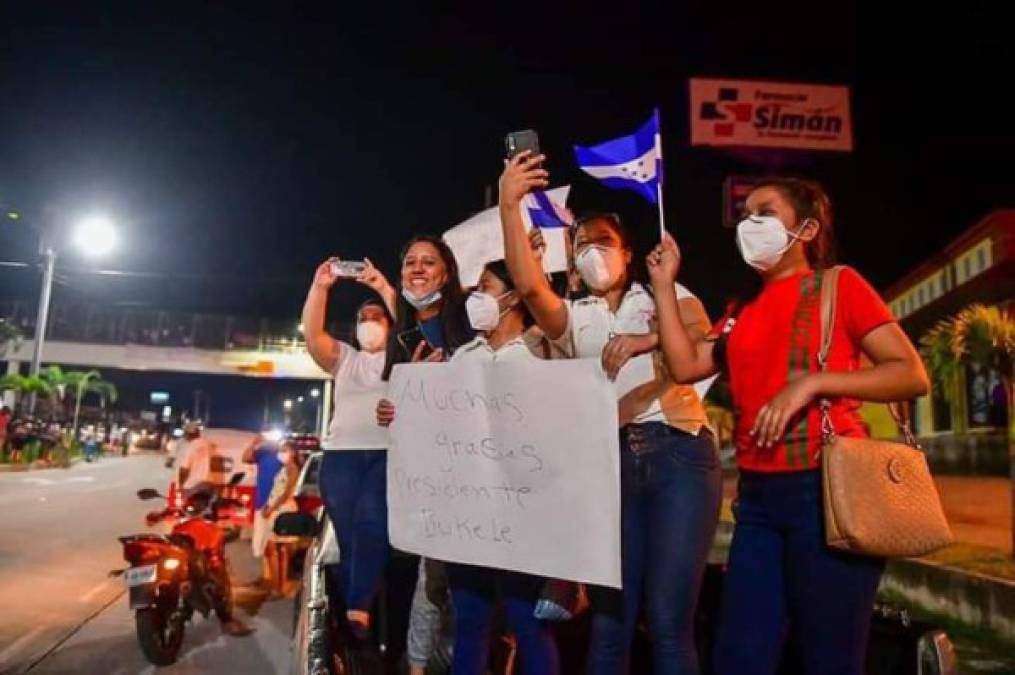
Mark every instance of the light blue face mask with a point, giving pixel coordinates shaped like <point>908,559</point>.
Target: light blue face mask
<point>423,302</point>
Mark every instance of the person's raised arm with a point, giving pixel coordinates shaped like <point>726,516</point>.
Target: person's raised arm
<point>250,452</point>
<point>522,174</point>
<point>686,352</point>
<point>374,279</point>
<point>324,349</point>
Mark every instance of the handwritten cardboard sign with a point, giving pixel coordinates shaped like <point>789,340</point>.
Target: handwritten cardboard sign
<point>512,465</point>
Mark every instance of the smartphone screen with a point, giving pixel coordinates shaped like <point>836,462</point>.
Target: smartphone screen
<point>348,269</point>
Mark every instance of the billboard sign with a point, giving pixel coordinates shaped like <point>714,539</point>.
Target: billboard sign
<point>770,114</point>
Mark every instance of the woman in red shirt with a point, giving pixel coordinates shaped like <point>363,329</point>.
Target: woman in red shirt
<point>782,577</point>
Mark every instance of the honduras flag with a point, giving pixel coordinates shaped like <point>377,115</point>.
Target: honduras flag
<point>544,212</point>
<point>628,163</point>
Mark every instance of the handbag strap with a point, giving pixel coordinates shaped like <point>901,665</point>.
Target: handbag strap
<point>829,296</point>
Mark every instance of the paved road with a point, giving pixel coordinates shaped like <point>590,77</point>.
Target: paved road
<point>61,614</point>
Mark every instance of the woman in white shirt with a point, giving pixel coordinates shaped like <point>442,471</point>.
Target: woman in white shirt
<point>500,319</point>
<point>671,483</point>
<point>353,478</point>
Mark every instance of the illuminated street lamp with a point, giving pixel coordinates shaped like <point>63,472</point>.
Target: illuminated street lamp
<point>299,399</point>
<point>315,392</point>
<point>287,404</point>
<point>93,236</point>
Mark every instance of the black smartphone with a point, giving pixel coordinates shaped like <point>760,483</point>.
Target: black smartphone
<point>410,339</point>
<point>519,141</point>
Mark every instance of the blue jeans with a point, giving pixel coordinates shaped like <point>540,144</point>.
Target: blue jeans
<point>671,491</point>
<point>354,489</point>
<point>474,591</point>
<point>783,577</point>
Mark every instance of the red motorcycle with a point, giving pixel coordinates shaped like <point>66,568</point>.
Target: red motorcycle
<point>172,576</point>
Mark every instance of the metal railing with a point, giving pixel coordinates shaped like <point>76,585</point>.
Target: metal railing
<point>97,324</point>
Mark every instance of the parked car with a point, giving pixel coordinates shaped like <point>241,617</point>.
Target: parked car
<point>308,491</point>
<point>898,645</point>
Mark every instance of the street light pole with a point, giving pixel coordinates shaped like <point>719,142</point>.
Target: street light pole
<point>94,235</point>
<point>49,263</point>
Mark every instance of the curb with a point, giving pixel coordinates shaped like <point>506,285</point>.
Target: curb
<point>973,598</point>
<point>21,468</point>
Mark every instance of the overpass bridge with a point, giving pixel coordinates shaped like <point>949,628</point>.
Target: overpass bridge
<point>162,341</point>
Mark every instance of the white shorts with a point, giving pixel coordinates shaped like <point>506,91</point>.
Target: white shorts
<point>261,534</point>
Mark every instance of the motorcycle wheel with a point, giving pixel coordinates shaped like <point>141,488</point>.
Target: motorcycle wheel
<point>159,635</point>
<point>223,602</point>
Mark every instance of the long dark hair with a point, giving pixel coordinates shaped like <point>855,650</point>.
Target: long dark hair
<point>809,200</point>
<point>452,312</point>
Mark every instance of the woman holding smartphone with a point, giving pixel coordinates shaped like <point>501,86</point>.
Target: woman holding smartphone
<point>430,321</point>
<point>781,574</point>
<point>353,478</point>
<point>670,475</point>
<point>499,317</point>
<point>430,324</point>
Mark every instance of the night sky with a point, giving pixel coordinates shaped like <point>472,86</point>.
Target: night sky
<point>239,147</point>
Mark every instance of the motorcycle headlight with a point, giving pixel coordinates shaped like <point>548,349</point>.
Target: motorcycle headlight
<point>170,563</point>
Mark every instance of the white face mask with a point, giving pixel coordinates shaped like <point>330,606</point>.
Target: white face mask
<point>599,266</point>
<point>483,311</point>
<point>763,240</point>
<point>371,335</point>
<point>421,302</point>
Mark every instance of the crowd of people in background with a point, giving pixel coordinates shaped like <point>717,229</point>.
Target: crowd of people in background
<point>24,438</point>
<point>619,307</point>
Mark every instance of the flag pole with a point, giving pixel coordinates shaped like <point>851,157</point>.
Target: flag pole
<point>659,172</point>
<point>662,221</point>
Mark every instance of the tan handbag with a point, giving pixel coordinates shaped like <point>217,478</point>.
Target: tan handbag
<point>879,497</point>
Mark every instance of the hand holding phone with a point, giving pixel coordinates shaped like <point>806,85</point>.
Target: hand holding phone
<point>523,173</point>
<point>347,269</point>
<point>519,141</point>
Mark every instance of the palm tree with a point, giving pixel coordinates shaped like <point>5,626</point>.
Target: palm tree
<point>946,370</point>
<point>90,383</point>
<point>57,380</point>
<point>73,385</point>
<point>25,385</point>
<point>978,335</point>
